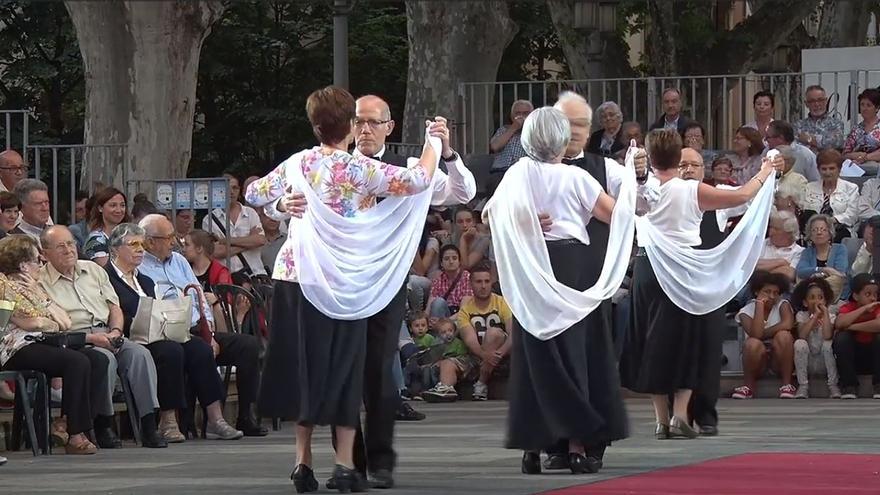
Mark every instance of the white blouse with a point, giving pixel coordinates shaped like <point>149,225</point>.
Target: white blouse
<point>568,194</point>
<point>844,200</point>
<point>677,213</point>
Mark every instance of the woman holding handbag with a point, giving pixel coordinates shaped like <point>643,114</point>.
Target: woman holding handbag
<point>84,371</point>
<point>194,357</point>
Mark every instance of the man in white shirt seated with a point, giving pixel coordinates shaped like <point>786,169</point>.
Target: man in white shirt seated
<point>781,253</point>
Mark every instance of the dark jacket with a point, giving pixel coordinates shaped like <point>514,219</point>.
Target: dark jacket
<point>661,122</point>
<point>128,298</point>
<point>596,142</point>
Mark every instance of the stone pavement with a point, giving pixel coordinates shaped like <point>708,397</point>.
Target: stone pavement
<point>458,449</point>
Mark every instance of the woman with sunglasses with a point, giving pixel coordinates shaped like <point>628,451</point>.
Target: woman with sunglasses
<point>193,360</point>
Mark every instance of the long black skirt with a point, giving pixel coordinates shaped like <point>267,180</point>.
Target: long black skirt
<point>664,345</point>
<point>566,387</point>
<point>314,365</point>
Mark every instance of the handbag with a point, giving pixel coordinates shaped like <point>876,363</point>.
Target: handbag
<point>162,319</point>
<point>69,340</point>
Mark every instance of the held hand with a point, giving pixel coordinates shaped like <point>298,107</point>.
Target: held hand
<point>293,203</point>
<point>641,163</point>
<point>99,340</point>
<point>439,129</point>
<point>545,221</point>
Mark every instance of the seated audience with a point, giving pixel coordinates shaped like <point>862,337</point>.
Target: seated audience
<point>505,142</point>
<point>9,211</point>
<point>457,364</point>
<point>819,129</point>
<point>785,202</point>
<point>274,240</point>
<point>34,197</point>
<point>762,103</point>
<point>746,158</point>
<point>813,354</point>
<point>175,362</point>
<point>80,226</point>
<point>607,141</point>
<point>864,262</point>
<point>184,223</point>
<point>474,246</point>
<point>869,199</point>
<point>768,322</point>
<point>83,371</point>
<point>781,252</point>
<point>791,183</point>
<point>424,265</point>
<point>694,137</point>
<point>857,341</point>
<point>83,290</point>
<point>418,378</point>
<point>484,324</point>
<point>246,236</point>
<point>781,133</point>
<point>632,131</point>
<point>162,264</point>
<point>108,210</point>
<point>13,169</point>
<point>672,117</point>
<point>832,196</point>
<point>824,258</point>
<point>198,249</point>
<point>450,286</point>
<point>141,208</point>
<point>863,143</point>
<point>722,172</point>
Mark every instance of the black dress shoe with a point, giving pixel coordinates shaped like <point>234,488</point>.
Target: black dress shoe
<point>708,431</point>
<point>251,428</point>
<point>556,461</point>
<point>349,480</point>
<point>106,439</point>
<point>597,453</point>
<point>304,479</point>
<point>531,463</point>
<point>153,440</point>
<point>580,464</point>
<point>382,479</point>
<point>406,413</point>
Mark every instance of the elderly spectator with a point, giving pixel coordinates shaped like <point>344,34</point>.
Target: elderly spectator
<point>505,142</point>
<point>9,211</point>
<point>34,197</point>
<point>694,137</point>
<point>83,290</point>
<point>780,133</point>
<point>781,252</point>
<point>12,170</point>
<point>672,117</point>
<point>176,364</point>
<point>864,262</point>
<point>824,258</point>
<point>630,131</point>
<point>722,172</point>
<point>84,371</point>
<point>763,103</point>
<point>832,196</point>
<point>790,183</point>
<point>607,141</point>
<point>246,236</point>
<point>108,210</point>
<point>167,267</point>
<point>863,143</point>
<point>819,129</point>
<point>746,157</point>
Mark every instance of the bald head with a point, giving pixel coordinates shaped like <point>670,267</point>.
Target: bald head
<point>691,165</point>
<point>59,248</point>
<point>373,124</point>
<point>580,117</point>
<point>12,168</point>
<point>159,235</point>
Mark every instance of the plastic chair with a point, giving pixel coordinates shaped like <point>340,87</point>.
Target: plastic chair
<point>32,405</point>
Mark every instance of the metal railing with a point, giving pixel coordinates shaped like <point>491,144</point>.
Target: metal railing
<point>722,103</point>
<point>68,168</point>
<point>15,135</point>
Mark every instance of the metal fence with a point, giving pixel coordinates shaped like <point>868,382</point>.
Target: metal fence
<point>68,168</point>
<point>722,103</point>
<point>15,125</point>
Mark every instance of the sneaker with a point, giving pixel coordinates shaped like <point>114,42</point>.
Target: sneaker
<point>440,393</point>
<point>803,392</point>
<point>744,392</point>
<point>849,393</point>
<point>222,431</point>
<point>481,391</point>
<point>787,391</point>
<point>834,391</point>
<point>876,391</point>
<point>406,413</point>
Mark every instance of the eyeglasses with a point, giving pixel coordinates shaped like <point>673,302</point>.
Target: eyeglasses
<point>135,244</point>
<point>817,100</point>
<point>16,170</point>
<point>689,165</point>
<point>374,124</point>
<point>162,237</point>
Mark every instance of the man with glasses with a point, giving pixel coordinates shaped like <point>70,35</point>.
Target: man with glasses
<point>12,169</point>
<point>819,130</point>
<point>83,290</point>
<point>172,275</point>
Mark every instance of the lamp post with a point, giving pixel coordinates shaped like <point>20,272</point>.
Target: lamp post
<point>341,9</point>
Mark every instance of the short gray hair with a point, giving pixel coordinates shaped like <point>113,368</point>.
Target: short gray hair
<point>545,134</point>
<point>25,187</point>
<point>148,223</point>
<point>609,107</point>
<point>789,222</point>
<point>821,218</point>
<point>121,231</point>
<point>567,96</point>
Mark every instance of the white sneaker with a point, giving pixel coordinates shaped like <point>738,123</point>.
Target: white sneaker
<point>481,391</point>
<point>222,431</point>
<point>803,391</point>
<point>440,393</point>
<point>834,391</point>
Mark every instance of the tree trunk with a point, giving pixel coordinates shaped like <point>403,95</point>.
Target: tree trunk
<point>451,43</point>
<point>141,63</point>
<point>662,40</point>
<point>576,42</point>
<point>844,23</point>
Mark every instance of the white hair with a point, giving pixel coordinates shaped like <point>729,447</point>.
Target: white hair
<point>609,107</point>
<point>149,222</point>
<point>571,96</point>
<point>789,222</point>
<point>545,134</point>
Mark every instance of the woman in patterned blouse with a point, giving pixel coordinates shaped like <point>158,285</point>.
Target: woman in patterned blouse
<point>863,143</point>
<point>314,368</point>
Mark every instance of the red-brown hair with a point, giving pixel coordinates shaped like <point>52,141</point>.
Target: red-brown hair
<point>331,111</point>
<point>829,156</point>
<point>96,218</point>
<point>756,142</point>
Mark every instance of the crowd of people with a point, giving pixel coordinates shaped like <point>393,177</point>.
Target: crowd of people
<point>810,309</point>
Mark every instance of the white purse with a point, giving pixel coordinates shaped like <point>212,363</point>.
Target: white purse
<point>162,319</point>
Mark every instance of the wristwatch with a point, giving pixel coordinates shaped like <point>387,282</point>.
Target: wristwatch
<point>452,158</point>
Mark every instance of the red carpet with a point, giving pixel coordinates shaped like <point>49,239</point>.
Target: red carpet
<point>751,474</point>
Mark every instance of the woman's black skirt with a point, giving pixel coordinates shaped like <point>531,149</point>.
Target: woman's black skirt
<point>314,365</point>
<point>566,387</point>
<point>663,346</point>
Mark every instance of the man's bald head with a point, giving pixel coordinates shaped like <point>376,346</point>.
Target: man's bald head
<point>160,235</point>
<point>691,165</point>
<point>373,101</point>
<point>155,224</point>
<point>373,124</point>
<point>12,168</point>
<point>580,118</point>
<point>59,248</point>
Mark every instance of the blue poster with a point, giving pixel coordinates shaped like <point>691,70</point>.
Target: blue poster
<point>183,195</point>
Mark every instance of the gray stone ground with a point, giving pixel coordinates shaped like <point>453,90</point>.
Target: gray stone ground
<point>458,449</point>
